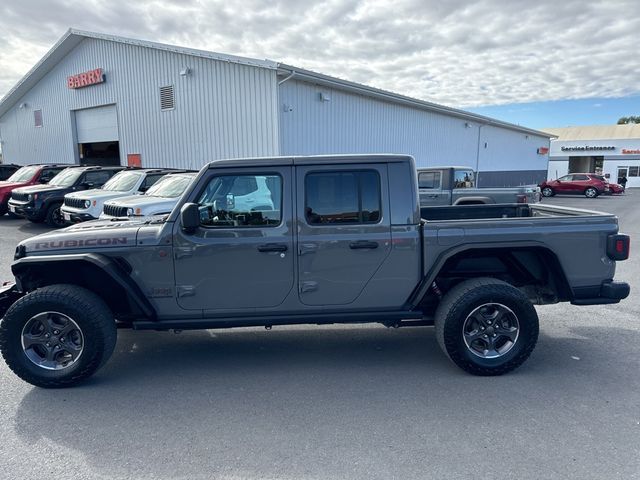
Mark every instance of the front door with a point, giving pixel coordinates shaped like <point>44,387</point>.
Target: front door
<point>344,231</point>
<point>242,255</point>
<point>622,172</point>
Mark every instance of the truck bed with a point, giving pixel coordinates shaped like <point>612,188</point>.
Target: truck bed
<point>577,238</point>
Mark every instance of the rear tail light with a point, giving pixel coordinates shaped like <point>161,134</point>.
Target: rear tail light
<point>618,246</point>
<point>522,199</point>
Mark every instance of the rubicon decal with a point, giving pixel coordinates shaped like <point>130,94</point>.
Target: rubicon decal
<point>91,242</point>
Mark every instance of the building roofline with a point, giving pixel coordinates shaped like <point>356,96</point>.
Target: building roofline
<point>293,72</point>
<point>73,37</point>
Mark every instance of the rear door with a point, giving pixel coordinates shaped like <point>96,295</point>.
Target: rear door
<point>430,186</point>
<point>242,255</point>
<point>344,231</point>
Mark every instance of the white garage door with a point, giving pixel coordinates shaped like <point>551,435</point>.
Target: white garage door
<point>98,124</point>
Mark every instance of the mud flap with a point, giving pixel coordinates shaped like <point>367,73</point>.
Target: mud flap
<point>9,293</point>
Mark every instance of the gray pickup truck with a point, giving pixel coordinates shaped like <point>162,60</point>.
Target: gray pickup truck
<point>342,239</point>
<point>457,186</point>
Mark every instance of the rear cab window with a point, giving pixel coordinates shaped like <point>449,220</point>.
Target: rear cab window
<point>464,179</point>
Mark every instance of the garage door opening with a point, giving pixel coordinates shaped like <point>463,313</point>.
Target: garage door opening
<point>586,164</point>
<point>99,153</point>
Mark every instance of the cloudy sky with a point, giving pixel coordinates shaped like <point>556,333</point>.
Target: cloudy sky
<point>462,54</point>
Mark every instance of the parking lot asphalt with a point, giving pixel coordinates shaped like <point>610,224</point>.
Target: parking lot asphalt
<point>341,402</point>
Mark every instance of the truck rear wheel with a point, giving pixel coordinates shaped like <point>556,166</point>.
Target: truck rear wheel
<point>57,336</point>
<point>486,326</point>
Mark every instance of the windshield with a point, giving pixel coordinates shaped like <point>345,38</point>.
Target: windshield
<point>122,182</point>
<point>22,175</point>
<point>66,178</point>
<point>170,186</point>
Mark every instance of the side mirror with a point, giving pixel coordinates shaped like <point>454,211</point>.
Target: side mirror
<point>86,185</point>
<point>44,179</point>
<point>190,217</point>
<point>143,189</point>
<point>231,202</point>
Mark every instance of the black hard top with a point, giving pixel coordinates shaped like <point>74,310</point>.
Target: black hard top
<point>311,160</point>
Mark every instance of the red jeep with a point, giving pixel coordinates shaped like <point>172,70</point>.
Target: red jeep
<point>588,184</point>
<point>27,175</point>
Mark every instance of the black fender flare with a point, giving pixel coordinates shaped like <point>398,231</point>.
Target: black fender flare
<point>22,268</point>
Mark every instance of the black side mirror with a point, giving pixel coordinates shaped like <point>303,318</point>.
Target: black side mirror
<point>44,179</point>
<point>86,185</point>
<point>190,217</point>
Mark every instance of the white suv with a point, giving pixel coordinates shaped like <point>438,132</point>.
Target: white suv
<point>158,200</point>
<point>88,204</point>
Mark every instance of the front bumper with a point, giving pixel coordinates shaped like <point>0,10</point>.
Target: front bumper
<point>76,217</point>
<point>607,293</point>
<point>23,209</point>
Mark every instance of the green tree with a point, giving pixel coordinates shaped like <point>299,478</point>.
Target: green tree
<point>630,119</point>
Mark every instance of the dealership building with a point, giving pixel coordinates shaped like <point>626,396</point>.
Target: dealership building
<point>102,99</point>
<point>609,150</point>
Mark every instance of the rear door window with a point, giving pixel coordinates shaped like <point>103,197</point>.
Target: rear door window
<point>429,180</point>
<point>464,179</point>
<point>342,197</point>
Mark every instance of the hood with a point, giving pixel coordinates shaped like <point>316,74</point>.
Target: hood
<point>88,236</point>
<point>95,193</point>
<point>11,185</point>
<point>142,200</point>
<point>41,188</point>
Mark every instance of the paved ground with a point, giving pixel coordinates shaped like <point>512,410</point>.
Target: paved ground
<point>341,402</point>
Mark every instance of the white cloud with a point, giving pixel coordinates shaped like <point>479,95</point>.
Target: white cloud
<point>451,52</point>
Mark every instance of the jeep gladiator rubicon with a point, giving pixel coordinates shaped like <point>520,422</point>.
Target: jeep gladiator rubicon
<point>341,240</point>
<point>456,186</point>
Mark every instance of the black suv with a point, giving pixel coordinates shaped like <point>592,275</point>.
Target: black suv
<point>42,202</point>
<point>7,169</point>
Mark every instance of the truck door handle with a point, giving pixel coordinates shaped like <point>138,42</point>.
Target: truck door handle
<point>272,247</point>
<point>363,244</point>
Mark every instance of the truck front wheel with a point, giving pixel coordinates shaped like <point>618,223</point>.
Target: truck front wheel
<point>57,336</point>
<point>486,326</point>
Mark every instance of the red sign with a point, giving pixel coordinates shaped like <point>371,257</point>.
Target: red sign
<point>134,160</point>
<point>543,150</point>
<point>626,151</point>
<point>85,79</point>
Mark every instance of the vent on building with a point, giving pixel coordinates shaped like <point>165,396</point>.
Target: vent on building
<point>167,100</point>
<point>37,118</point>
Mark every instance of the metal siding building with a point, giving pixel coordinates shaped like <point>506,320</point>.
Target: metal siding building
<point>225,106</point>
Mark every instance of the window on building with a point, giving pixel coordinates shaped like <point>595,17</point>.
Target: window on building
<point>633,171</point>
<point>167,98</point>
<point>430,180</point>
<point>463,179</point>
<point>342,197</point>
<point>37,118</point>
<point>242,201</point>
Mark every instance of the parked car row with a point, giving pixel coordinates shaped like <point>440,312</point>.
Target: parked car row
<point>590,185</point>
<point>64,194</point>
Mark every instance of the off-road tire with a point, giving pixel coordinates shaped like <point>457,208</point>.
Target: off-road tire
<point>53,217</point>
<point>463,299</point>
<point>87,310</point>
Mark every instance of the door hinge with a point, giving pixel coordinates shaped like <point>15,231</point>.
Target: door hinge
<point>306,287</point>
<point>185,291</point>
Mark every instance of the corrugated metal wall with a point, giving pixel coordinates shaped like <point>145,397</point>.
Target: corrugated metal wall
<point>223,109</point>
<point>315,119</point>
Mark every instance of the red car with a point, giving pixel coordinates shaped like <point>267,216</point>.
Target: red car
<point>28,175</point>
<point>588,184</point>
